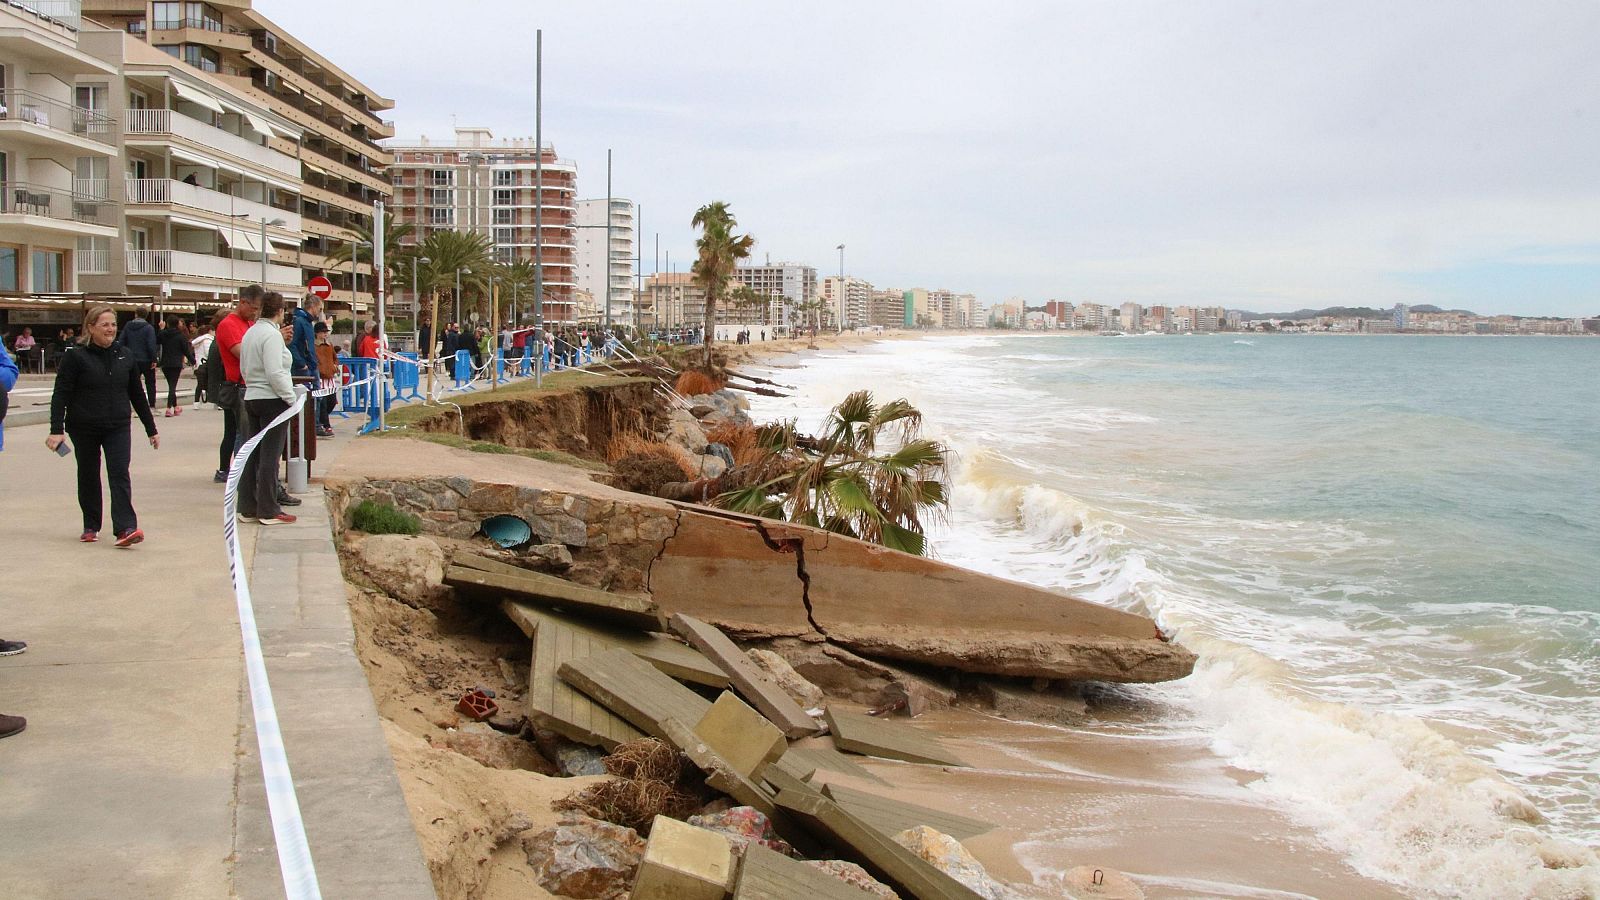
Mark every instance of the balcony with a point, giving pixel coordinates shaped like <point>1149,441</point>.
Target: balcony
<point>162,191</point>
<point>167,123</point>
<point>179,263</point>
<point>62,12</point>
<point>46,121</point>
<point>57,209</point>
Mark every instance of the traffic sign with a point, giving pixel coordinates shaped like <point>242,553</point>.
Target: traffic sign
<point>320,287</point>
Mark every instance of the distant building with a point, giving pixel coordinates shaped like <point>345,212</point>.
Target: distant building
<point>592,251</point>
<point>1060,310</point>
<point>847,300</point>
<point>1132,317</point>
<point>1400,313</point>
<point>785,284</point>
<point>887,308</point>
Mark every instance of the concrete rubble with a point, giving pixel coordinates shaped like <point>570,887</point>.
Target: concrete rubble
<point>585,858</point>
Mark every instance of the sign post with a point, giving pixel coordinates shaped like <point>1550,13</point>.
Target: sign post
<point>320,287</point>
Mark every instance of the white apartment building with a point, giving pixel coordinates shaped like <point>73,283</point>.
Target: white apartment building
<point>787,284</point>
<point>595,245</point>
<point>1131,317</point>
<point>849,300</point>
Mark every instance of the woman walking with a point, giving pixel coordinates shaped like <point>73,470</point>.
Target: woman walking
<point>200,347</point>
<point>264,361</point>
<point>175,351</point>
<point>96,384</point>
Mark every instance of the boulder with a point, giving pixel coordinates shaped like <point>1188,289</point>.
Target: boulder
<point>801,691</point>
<point>947,855</point>
<point>711,465</point>
<point>1084,882</point>
<point>855,876</point>
<point>410,569</point>
<point>684,430</point>
<point>489,747</point>
<point>1050,706</point>
<point>741,825</point>
<point>585,858</point>
<point>550,556</point>
<point>570,758</point>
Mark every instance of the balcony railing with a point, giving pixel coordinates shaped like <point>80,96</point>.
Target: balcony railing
<point>22,198</point>
<point>168,122</point>
<point>200,265</point>
<point>47,112</point>
<point>165,190</point>
<point>62,12</point>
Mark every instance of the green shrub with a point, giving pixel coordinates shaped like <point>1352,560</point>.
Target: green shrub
<point>381,518</point>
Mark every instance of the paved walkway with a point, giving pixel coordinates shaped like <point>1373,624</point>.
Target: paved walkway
<point>138,774</point>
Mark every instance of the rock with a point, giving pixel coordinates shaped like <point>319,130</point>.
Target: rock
<point>482,743</point>
<point>801,691</point>
<point>1087,881</point>
<point>743,824</point>
<point>550,556</point>
<point>585,858</point>
<point>711,465</point>
<point>855,876</point>
<point>948,856</point>
<point>1011,702</point>
<point>571,758</point>
<point>700,411</point>
<point>684,430</point>
<point>410,569</point>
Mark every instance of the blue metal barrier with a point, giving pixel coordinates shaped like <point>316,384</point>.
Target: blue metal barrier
<point>359,396</point>
<point>407,377</point>
<point>463,371</point>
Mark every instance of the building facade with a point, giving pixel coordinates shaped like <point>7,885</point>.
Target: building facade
<point>887,308</point>
<point>784,285</point>
<point>847,301</point>
<point>593,252</point>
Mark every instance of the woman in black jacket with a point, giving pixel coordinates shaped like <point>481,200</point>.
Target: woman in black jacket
<point>96,384</point>
<point>175,351</point>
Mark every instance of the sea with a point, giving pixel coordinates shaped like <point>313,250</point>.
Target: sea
<point>1385,550</point>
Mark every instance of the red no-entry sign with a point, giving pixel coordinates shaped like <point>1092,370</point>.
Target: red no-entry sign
<point>320,287</point>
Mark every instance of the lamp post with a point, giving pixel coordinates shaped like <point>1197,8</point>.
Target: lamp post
<point>264,223</point>
<point>841,288</point>
<point>355,326</point>
<point>538,203</point>
<point>458,293</point>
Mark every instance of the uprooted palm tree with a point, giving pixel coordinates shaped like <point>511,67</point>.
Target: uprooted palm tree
<point>720,252</point>
<point>869,474</point>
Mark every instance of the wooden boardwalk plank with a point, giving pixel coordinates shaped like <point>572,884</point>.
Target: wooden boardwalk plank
<point>861,733</point>
<point>892,816</point>
<point>556,705</point>
<point>769,875</point>
<point>634,690</point>
<point>748,680</point>
<point>671,656</point>
<point>907,873</point>
<point>804,762</point>
<point>548,590</point>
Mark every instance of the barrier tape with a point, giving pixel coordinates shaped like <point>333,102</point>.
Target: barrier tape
<point>288,829</point>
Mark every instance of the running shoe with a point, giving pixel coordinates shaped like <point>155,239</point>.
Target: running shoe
<point>129,537</point>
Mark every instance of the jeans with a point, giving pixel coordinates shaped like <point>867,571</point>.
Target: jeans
<point>172,385</point>
<point>227,401</point>
<point>116,444</point>
<point>325,409</point>
<point>258,488</point>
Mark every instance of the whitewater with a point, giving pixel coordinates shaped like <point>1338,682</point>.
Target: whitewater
<point>1384,549</point>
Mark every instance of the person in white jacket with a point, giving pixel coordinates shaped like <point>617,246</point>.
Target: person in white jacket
<point>264,362</point>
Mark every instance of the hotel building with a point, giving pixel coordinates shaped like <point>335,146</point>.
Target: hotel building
<point>593,253</point>
<point>848,301</point>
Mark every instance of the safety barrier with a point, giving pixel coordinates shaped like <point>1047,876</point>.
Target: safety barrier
<point>407,376</point>
<point>463,371</point>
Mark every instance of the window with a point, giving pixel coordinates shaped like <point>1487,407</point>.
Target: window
<point>47,272</point>
<point>203,58</point>
<point>166,16</point>
<point>505,198</point>
<point>505,177</point>
<point>136,26</point>
<point>442,216</point>
<point>171,49</point>
<point>505,236</point>
<point>504,216</point>
<point>441,197</point>
<point>8,269</point>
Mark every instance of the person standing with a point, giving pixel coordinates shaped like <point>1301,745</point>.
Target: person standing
<point>328,373</point>
<point>230,332</point>
<point>367,347</point>
<point>200,350</point>
<point>264,359</point>
<point>95,386</point>
<point>175,351</point>
<point>303,344</point>
<point>139,339</point>
<point>9,725</point>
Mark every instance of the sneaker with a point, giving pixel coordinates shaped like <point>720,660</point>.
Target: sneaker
<point>279,519</point>
<point>10,725</point>
<point>324,432</point>
<point>246,519</point>
<point>12,648</point>
<point>177,410</point>
<point>166,413</point>
<point>130,537</point>
<point>89,537</point>
<point>288,500</point>
<point>220,477</point>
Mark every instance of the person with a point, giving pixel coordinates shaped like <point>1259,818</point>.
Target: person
<point>230,331</point>
<point>24,343</point>
<point>424,340</point>
<point>450,342</point>
<point>9,725</point>
<point>200,349</point>
<point>97,383</point>
<point>139,339</point>
<point>175,352</point>
<point>367,348</point>
<point>328,375</point>
<point>190,179</point>
<point>303,343</point>
<point>264,359</point>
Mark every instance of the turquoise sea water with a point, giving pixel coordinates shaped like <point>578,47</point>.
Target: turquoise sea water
<point>1385,549</point>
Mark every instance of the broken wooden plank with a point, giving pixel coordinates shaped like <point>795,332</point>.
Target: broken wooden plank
<point>740,735</point>
<point>861,733</point>
<point>769,875</point>
<point>805,762</point>
<point>548,590</point>
<point>634,690</point>
<point>892,816</point>
<point>671,656</point>
<point>877,852</point>
<point>556,705</point>
<point>748,680</point>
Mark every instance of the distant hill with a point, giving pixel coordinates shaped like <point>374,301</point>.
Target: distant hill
<point>1360,312</point>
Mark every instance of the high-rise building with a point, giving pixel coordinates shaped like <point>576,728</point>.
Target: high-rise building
<point>481,184</point>
<point>1060,310</point>
<point>593,250</point>
<point>786,285</point>
<point>917,311</point>
<point>1400,314</point>
<point>1131,316</point>
<point>887,308</point>
<point>847,301</point>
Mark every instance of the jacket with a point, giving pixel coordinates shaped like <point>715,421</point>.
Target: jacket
<point>303,346</point>
<point>8,380</point>
<point>216,373</point>
<point>327,362</point>
<point>264,361</point>
<point>139,337</point>
<point>95,388</point>
<point>175,349</point>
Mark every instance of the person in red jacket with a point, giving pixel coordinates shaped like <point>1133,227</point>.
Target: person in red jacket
<point>367,347</point>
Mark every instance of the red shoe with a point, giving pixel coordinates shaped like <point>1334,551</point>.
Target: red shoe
<point>88,537</point>
<point>130,537</point>
<point>282,518</point>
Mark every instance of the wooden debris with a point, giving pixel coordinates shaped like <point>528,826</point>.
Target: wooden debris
<point>548,590</point>
<point>889,862</point>
<point>671,656</point>
<point>634,690</point>
<point>892,816</point>
<point>740,735</point>
<point>863,734</point>
<point>805,762</point>
<point>769,875</point>
<point>747,679</point>
<point>556,705</point>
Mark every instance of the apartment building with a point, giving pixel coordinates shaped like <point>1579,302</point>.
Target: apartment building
<point>847,300</point>
<point>593,253</point>
<point>1131,316</point>
<point>489,186</point>
<point>1059,310</point>
<point>786,284</point>
<point>674,300</point>
<point>333,117</point>
<point>887,308</point>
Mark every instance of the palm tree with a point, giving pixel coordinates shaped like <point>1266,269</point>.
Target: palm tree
<point>516,285</point>
<point>845,482</point>
<point>448,251</point>
<point>806,310</point>
<point>395,257</point>
<point>720,252</point>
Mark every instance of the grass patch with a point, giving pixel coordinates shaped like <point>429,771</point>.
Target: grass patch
<point>381,518</point>
<point>461,443</point>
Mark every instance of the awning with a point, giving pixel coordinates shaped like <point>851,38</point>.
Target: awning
<point>203,160</point>
<point>263,126</point>
<point>196,96</point>
<point>284,241</point>
<point>244,239</point>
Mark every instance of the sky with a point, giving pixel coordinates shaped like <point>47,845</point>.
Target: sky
<point>1262,156</point>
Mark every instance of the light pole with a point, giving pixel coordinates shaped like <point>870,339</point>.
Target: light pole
<point>355,326</point>
<point>841,288</point>
<point>264,223</point>
<point>608,244</point>
<point>538,204</point>
<point>458,292</point>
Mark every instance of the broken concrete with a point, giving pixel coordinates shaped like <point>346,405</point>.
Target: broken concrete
<point>404,567</point>
<point>720,774</point>
<point>740,735</point>
<point>634,690</point>
<point>671,656</point>
<point>682,862</point>
<point>777,669</point>
<point>860,733</point>
<point>893,816</point>
<point>805,762</point>
<point>767,875</point>
<point>1052,706</point>
<point>748,680</point>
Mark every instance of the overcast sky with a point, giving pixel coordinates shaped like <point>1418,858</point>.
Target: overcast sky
<point>1264,156</point>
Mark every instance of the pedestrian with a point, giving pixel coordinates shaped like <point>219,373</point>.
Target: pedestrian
<point>328,375</point>
<point>424,340</point>
<point>139,339</point>
<point>367,348</point>
<point>9,725</point>
<point>303,345</point>
<point>230,393</point>
<point>264,359</point>
<point>175,352</point>
<point>201,350</point>
<point>450,342</point>
<point>95,386</point>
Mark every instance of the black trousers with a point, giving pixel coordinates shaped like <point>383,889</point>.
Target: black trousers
<point>227,401</point>
<point>149,384</point>
<point>116,443</point>
<point>172,385</point>
<point>258,486</point>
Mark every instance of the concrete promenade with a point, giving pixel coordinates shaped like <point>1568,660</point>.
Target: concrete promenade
<point>138,774</point>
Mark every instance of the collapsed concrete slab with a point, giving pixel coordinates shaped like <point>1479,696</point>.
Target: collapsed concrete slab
<point>860,733</point>
<point>768,875</point>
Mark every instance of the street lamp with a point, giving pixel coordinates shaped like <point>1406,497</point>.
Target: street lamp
<point>458,292</point>
<point>275,223</point>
